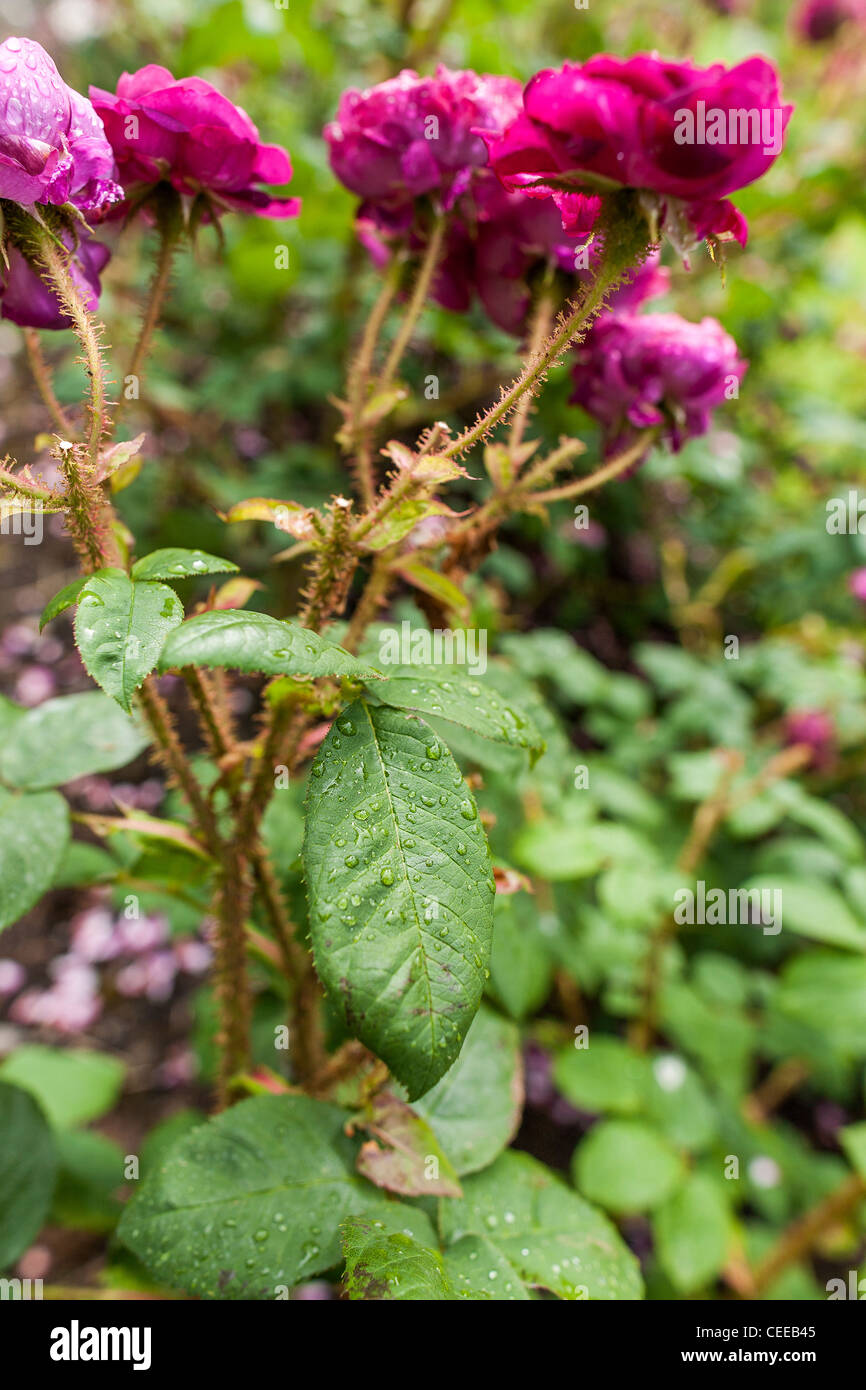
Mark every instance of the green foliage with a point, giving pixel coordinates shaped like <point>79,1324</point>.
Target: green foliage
<point>34,830</point>
<point>120,628</point>
<point>69,737</point>
<point>72,1086</point>
<point>28,1161</point>
<point>400,888</point>
<point>255,642</point>
<point>251,1201</point>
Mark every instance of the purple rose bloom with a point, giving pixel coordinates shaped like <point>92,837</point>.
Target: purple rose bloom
<point>818,21</point>
<point>671,129</point>
<point>816,730</point>
<point>186,132</point>
<point>28,301</point>
<point>413,136</point>
<point>646,282</point>
<point>52,145</point>
<point>517,235</point>
<point>635,371</point>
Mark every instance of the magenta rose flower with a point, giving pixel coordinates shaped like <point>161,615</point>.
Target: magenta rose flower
<point>685,134</point>
<point>52,143</point>
<point>815,729</point>
<point>413,136</point>
<point>857,584</point>
<point>635,371</point>
<point>187,133</point>
<point>28,301</point>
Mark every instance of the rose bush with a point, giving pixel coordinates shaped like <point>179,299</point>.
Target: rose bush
<point>377,900</point>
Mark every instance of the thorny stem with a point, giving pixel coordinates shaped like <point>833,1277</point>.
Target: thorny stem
<point>160,720</point>
<point>55,260</point>
<point>232,903</point>
<point>359,378</point>
<point>705,822</point>
<point>578,314</point>
<point>374,594</point>
<point>416,303</point>
<point>168,241</point>
<point>542,319</point>
<point>804,1234</point>
<point>619,464</point>
<point>306,1044</point>
<point>42,376</point>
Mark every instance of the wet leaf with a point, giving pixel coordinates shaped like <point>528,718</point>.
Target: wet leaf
<point>401,890</point>
<point>475,1109</point>
<point>404,1155</point>
<point>383,1264</point>
<point>174,563</point>
<point>252,1200</point>
<point>120,628</point>
<point>256,642</point>
<point>551,1236</point>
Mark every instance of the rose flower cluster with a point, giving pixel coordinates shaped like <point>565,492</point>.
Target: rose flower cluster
<point>505,186</point>
<point>104,157</point>
<point>519,177</point>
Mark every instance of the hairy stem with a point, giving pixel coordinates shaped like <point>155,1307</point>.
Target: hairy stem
<point>168,241</point>
<point>416,303</point>
<point>577,315</point>
<point>359,379</point>
<point>539,332</point>
<point>42,376</point>
<point>55,260</point>
<point>232,902</point>
<point>173,754</point>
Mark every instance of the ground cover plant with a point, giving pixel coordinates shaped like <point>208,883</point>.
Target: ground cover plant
<point>431,811</point>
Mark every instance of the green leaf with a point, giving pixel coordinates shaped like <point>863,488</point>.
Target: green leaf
<point>73,1086</point>
<point>557,850</point>
<point>400,888</point>
<point>605,1078</point>
<point>398,1155</point>
<point>475,1109</point>
<point>550,1235</point>
<point>400,520</point>
<point>461,699</point>
<point>70,737</point>
<point>28,1163</point>
<point>521,966</point>
<point>626,1166</point>
<point>174,563</point>
<point>678,1106</point>
<point>256,642</point>
<point>812,909</point>
<point>251,1201</point>
<point>382,1264</point>
<point>827,992</point>
<point>91,1172</point>
<point>120,628</point>
<point>691,1234</point>
<point>62,600</point>
<point>34,831</point>
<point>477,1269</point>
<point>83,865</point>
<point>431,582</point>
<point>10,713</point>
